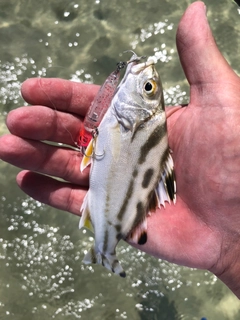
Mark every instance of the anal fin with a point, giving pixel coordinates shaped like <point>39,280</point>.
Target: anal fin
<point>85,220</point>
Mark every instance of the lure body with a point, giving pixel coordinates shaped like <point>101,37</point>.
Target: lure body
<point>98,108</point>
<point>135,173</point>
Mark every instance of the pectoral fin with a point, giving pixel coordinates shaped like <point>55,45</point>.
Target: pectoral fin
<point>87,158</point>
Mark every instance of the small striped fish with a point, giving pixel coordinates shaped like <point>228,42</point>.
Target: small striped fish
<point>132,169</point>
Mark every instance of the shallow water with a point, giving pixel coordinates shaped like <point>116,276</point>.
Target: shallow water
<point>41,248</point>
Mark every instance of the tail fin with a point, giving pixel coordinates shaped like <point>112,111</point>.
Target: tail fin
<point>108,261</point>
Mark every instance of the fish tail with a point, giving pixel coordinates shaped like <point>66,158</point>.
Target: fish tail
<point>108,261</point>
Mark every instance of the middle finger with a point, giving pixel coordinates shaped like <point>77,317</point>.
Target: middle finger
<point>43,158</point>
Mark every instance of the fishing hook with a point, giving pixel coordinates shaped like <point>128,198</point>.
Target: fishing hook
<point>94,155</point>
<point>135,58</point>
<point>95,133</point>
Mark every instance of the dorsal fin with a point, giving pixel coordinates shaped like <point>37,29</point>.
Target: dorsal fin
<point>166,188</point>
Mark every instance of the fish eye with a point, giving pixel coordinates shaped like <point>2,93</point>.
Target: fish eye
<point>150,87</point>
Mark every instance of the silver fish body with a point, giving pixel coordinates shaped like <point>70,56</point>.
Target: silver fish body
<point>132,170</point>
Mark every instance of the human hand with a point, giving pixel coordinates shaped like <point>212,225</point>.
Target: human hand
<point>201,230</point>
<point>59,108</point>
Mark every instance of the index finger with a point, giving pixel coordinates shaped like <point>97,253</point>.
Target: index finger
<point>60,94</point>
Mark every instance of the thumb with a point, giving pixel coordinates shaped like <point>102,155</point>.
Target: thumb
<point>199,55</point>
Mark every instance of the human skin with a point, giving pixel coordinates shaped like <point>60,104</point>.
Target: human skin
<point>203,229</point>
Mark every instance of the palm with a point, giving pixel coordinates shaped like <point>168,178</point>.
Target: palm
<point>197,231</point>
<point>203,153</point>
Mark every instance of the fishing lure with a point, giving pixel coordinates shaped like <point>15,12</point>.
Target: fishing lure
<point>98,108</point>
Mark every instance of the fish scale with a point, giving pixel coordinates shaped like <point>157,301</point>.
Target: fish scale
<point>131,169</point>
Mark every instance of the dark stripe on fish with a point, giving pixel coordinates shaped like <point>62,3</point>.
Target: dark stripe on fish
<point>135,173</point>
<point>140,215</point>
<point>162,103</point>
<point>93,255</point>
<point>105,243</point>
<point>143,238</point>
<point>152,141</point>
<point>125,202</point>
<point>118,227</point>
<point>152,201</point>
<point>119,236</point>
<point>147,178</point>
<point>115,265</point>
<point>152,196</point>
<point>164,159</point>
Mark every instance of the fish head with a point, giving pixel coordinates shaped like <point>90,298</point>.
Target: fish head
<point>139,96</point>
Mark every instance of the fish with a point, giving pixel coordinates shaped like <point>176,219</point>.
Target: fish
<point>132,170</point>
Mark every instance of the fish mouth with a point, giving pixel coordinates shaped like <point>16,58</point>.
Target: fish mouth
<point>135,66</point>
<point>135,57</point>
